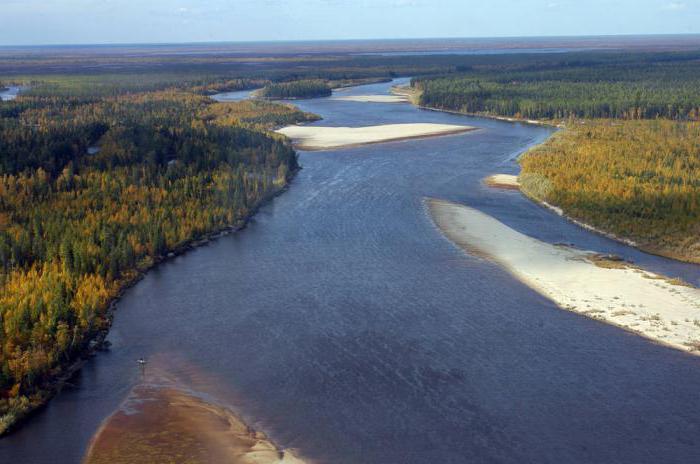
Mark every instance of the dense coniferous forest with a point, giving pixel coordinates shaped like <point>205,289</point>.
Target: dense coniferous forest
<point>625,91</point>
<point>296,89</point>
<point>94,190</point>
<point>628,159</point>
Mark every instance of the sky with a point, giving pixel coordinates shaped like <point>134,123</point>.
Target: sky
<point>35,22</point>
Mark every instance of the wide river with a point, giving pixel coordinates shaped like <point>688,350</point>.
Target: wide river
<point>343,324</point>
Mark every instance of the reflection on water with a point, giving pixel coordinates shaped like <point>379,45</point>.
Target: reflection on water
<point>349,328</point>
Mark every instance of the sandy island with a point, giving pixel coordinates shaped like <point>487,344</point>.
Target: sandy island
<point>167,425</point>
<point>323,138</point>
<point>648,304</point>
<point>504,181</point>
<point>374,98</point>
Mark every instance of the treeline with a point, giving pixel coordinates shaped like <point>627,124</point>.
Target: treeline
<point>94,190</point>
<point>636,179</point>
<point>296,89</point>
<point>228,85</point>
<point>592,88</point>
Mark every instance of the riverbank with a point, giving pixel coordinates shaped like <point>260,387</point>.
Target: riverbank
<point>165,424</point>
<point>603,288</point>
<point>512,182</point>
<point>323,138</point>
<point>406,91</point>
<point>504,181</point>
<point>17,414</point>
<point>642,193</point>
<point>680,247</point>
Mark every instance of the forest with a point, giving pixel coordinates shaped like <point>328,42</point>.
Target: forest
<point>628,159</point>
<point>624,91</point>
<point>296,89</point>
<point>95,189</point>
<point>103,173</point>
<point>638,179</point>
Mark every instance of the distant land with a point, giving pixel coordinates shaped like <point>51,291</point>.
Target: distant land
<point>423,45</point>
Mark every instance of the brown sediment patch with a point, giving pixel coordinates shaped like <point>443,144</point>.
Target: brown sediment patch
<point>166,424</point>
<point>179,414</point>
<point>504,181</point>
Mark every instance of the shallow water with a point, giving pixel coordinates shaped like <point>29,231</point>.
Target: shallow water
<point>9,93</point>
<point>342,323</point>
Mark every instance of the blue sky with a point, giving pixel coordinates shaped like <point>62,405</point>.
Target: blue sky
<point>126,21</point>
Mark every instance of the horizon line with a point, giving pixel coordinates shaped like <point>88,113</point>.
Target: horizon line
<point>386,39</point>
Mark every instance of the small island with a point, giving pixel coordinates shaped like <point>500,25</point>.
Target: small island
<point>324,138</point>
<point>312,88</point>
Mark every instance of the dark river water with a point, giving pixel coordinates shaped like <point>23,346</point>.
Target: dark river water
<point>343,324</point>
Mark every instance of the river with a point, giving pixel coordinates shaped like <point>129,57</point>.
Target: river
<point>9,93</point>
<point>343,324</point>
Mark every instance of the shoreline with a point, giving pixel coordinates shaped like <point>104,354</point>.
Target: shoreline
<point>600,287</point>
<point>163,421</point>
<point>533,122</point>
<point>646,248</point>
<point>502,181</point>
<point>512,182</point>
<point>98,342</point>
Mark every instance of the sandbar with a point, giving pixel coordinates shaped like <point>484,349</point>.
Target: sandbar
<point>504,181</point>
<point>324,138</point>
<point>165,425</point>
<point>374,98</point>
<point>651,305</point>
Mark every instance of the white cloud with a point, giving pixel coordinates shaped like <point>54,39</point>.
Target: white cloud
<point>675,6</point>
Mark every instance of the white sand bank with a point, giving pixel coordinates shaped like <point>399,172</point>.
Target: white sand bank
<point>374,98</point>
<point>506,181</point>
<point>322,138</point>
<point>634,299</point>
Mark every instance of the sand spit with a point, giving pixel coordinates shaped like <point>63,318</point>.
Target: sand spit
<point>158,425</point>
<point>374,98</point>
<point>504,181</point>
<point>648,304</point>
<point>324,138</point>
